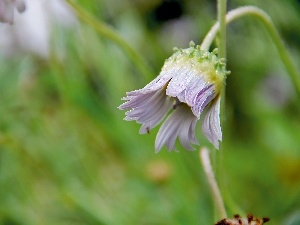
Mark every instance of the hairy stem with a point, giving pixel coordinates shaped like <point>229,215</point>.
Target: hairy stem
<point>222,30</point>
<point>204,157</point>
<point>222,7</point>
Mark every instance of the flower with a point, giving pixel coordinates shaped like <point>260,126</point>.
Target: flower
<point>189,82</point>
<point>238,220</point>
<point>32,31</point>
<point>7,9</point>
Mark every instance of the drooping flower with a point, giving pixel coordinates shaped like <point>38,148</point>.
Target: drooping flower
<point>189,82</point>
<point>7,8</point>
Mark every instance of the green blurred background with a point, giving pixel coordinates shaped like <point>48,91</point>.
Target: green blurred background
<point>68,157</point>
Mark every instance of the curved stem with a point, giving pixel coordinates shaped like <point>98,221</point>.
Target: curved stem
<point>204,157</point>
<point>266,20</point>
<point>108,32</point>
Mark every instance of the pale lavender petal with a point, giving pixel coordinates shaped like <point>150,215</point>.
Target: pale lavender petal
<point>151,104</point>
<point>132,94</point>
<point>181,123</point>
<point>134,97</point>
<point>157,117</point>
<point>180,81</point>
<point>161,80</point>
<point>136,101</point>
<point>211,123</point>
<point>195,86</point>
<point>6,12</point>
<point>20,5</point>
<point>147,109</point>
<point>168,132</point>
<point>187,133</point>
<point>202,99</point>
<point>191,134</point>
<point>197,94</point>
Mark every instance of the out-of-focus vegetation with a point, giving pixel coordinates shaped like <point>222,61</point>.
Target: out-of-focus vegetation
<point>67,157</point>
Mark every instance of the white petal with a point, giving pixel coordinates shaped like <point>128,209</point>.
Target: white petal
<point>181,123</point>
<point>211,123</point>
<point>161,80</point>
<point>158,83</point>
<point>202,99</point>
<point>191,134</point>
<point>141,108</point>
<point>135,101</point>
<point>186,135</point>
<point>6,12</point>
<point>195,86</point>
<point>155,118</point>
<point>147,109</point>
<point>168,132</point>
<point>180,81</point>
<point>20,5</point>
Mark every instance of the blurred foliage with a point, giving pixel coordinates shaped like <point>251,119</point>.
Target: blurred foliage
<point>67,157</point>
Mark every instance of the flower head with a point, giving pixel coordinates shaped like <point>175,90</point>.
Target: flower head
<point>238,220</point>
<point>189,82</point>
<point>7,9</point>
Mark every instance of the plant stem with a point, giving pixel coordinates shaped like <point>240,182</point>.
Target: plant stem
<point>222,8</point>
<point>266,20</point>
<point>222,30</point>
<point>111,34</point>
<point>222,5</point>
<point>204,157</point>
